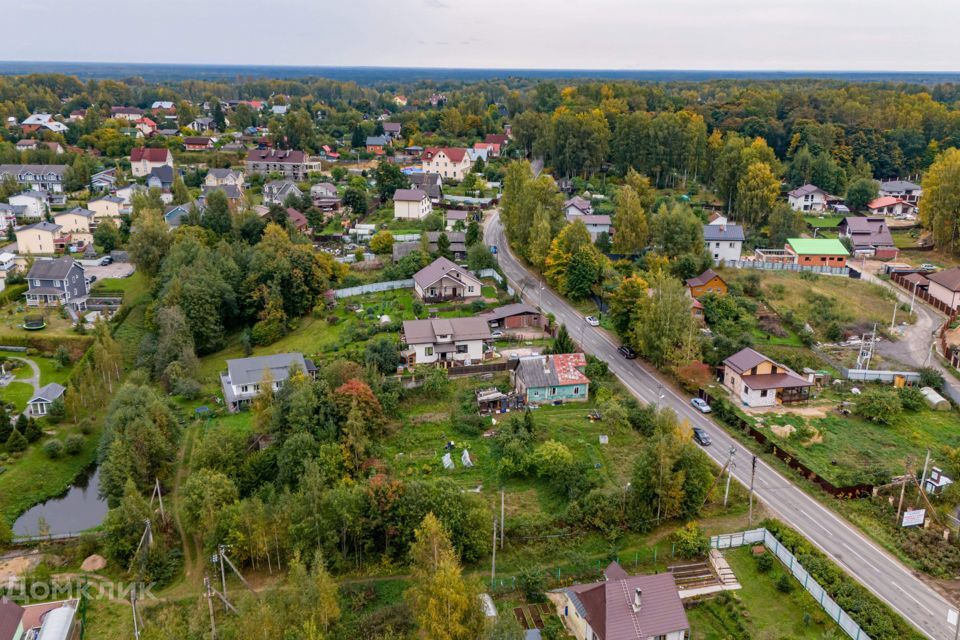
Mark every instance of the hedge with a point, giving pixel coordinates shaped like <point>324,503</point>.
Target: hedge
<point>877,619</point>
<point>77,345</point>
<point>12,292</point>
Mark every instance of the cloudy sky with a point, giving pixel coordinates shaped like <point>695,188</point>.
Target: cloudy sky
<point>600,34</point>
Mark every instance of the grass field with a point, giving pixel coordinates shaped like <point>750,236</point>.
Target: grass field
<point>821,222</point>
<point>17,394</point>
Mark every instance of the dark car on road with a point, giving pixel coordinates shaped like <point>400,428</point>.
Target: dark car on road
<point>627,352</point>
<point>701,437</point>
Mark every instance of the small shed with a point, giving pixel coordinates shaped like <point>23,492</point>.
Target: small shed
<point>936,401</point>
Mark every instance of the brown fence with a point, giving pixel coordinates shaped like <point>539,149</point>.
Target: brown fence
<point>939,305</point>
<point>473,369</point>
<point>735,421</point>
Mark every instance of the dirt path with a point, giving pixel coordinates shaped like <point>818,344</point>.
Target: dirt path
<point>35,378</point>
<point>193,557</point>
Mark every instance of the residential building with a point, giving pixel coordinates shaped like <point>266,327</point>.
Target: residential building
<point>483,153</point>
<point>514,316</point>
<point>197,143</point>
<point>455,217</point>
<point>432,183</point>
<point>38,177</point>
<point>577,206</point>
<point>202,125</point>
<point>55,283</point>
<point>277,191</point>
<point>40,238</point>
<point>221,177</point>
<point>279,109</point>
<point>723,241</point>
<point>623,607</point>
<point>492,149</point>
<point>552,378</point>
<point>443,279</point>
<point>9,214</point>
<point>707,282</point>
<point>294,165</point>
<point>242,380</point>
<point>501,139</point>
<point>392,129</point>
<point>175,214</point>
<point>945,287</point>
<point>905,190</point>
<point>51,621</point>
<point>817,252</point>
<point>716,218</point>
<point>891,206</point>
<point>146,126</point>
<point>411,204</point>
<point>126,195</point>
<point>231,191</point>
<point>457,240</point>
<point>78,223</point>
<point>809,197</point>
<point>596,224</point>
<point>40,403</point>
<point>106,207</point>
<point>296,219</point>
<point>446,341</point>
<point>161,178</point>
<point>376,144</point>
<point>11,620</point>
<point>325,196</point>
<point>869,237</point>
<point>33,145</point>
<point>451,163</point>
<point>39,121</point>
<point>103,180</point>
<point>757,381</point>
<point>126,113</point>
<point>143,160</point>
<point>34,205</point>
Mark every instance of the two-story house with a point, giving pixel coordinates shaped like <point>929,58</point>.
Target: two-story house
<point>723,241</point>
<point>707,282</point>
<point>143,160</point>
<point>577,206</point>
<point>39,121</point>
<point>869,237</point>
<point>222,177</point>
<point>55,283</point>
<point>432,183</point>
<point>277,191</point>
<point>41,238</point>
<point>903,190</point>
<point>757,381</point>
<point>809,197</point>
<point>445,341</point>
<point>411,204</point>
<point>552,378</point>
<point>106,208</point>
<point>450,162</point>
<point>443,279</point>
<point>325,197</point>
<point>34,205</point>
<point>294,165</point>
<point>244,377</point>
<point>38,177</point>
<point>78,223</point>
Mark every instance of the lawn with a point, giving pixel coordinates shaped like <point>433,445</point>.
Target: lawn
<point>17,394</point>
<point>759,609</point>
<point>821,222</point>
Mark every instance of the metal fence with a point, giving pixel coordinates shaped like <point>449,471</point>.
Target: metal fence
<point>374,287</point>
<point>787,266</point>
<point>757,536</point>
<point>493,273</point>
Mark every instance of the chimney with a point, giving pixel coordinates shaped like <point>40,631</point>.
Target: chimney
<point>637,599</point>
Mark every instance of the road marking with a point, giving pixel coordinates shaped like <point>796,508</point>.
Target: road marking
<point>921,605</point>
<point>865,561</point>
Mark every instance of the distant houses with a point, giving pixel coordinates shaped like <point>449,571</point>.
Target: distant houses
<point>809,197</point>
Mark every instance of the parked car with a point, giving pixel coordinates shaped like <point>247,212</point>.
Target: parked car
<point>627,352</point>
<point>592,321</point>
<point>701,405</point>
<point>926,266</point>
<point>105,261</point>
<point>701,437</point>
<point>496,334</point>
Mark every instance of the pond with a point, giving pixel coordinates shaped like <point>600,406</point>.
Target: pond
<point>77,509</point>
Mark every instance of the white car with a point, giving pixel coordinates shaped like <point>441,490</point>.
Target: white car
<point>592,321</point>
<point>701,405</point>
<point>496,333</point>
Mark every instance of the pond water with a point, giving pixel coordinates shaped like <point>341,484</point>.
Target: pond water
<point>78,508</point>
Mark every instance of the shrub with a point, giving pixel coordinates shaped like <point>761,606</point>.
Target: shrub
<point>930,377</point>
<point>911,398</point>
<point>784,583</point>
<point>53,449</point>
<point>764,562</point>
<point>531,583</point>
<point>477,306</point>
<point>879,405</point>
<point>16,442</point>
<point>74,444</point>
<point>57,411</point>
<point>187,388</point>
<point>691,541</point>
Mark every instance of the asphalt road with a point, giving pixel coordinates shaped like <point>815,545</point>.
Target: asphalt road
<point>876,569</point>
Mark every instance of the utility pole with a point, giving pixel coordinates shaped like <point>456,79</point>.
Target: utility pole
<point>213,622</point>
<point>160,496</point>
<point>502,519</point>
<point>133,609</point>
<point>893,320</point>
<point>753,473</point>
<point>913,298</point>
<point>903,489</point>
<point>923,476</point>
<point>493,563</point>
<point>726,491</point>
<point>223,570</point>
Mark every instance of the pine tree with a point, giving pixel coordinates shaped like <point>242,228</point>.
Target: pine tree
<point>16,442</point>
<point>630,221</point>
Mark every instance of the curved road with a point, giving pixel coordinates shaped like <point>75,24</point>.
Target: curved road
<point>876,569</point>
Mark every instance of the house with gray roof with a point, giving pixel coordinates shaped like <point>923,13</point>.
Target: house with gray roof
<point>443,279</point>
<point>444,341</point>
<point>243,378</point>
<point>276,191</point>
<point>623,607</point>
<point>902,189</point>
<point>430,183</point>
<point>723,241</point>
<point>39,404</point>
<point>38,177</point>
<point>56,282</point>
<point>458,245</point>
<point>809,197</point>
<point>552,378</point>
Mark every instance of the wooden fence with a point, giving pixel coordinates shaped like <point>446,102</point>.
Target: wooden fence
<point>735,421</point>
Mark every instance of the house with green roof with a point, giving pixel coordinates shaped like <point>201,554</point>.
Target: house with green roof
<point>817,252</point>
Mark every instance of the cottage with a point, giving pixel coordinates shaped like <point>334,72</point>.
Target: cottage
<point>553,378</point>
<point>723,241</point>
<point>514,316</point>
<point>39,121</point>
<point>55,283</point>
<point>277,191</point>
<point>456,219</point>
<point>33,204</point>
<point>143,160</point>
<point>869,237</point>
<point>596,225</point>
<point>707,282</point>
<point>623,607</point>
<point>945,287</point>
<point>445,341</point>
<point>758,381</point>
<point>131,114</point>
<point>294,165</point>
<point>40,238</point>
<point>103,180</point>
<point>232,192</point>
<point>817,252</point>
<point>905,190</point>
<point>202,125</point>
<point>161,178</point>
<point>197,143</point>
<point>457,240</point>
<point>444,280</point>
<point>492,149</point>
<point>39,404</point>
<point>576,207</point>
<point>411,204</point>
<point>176,214</point>
<point>78,223</point>
<point>376,144</point>
<point>242,380</point>
<point>222,177</point>
<point>9,214</point>
<point>450,162</point>
<point>431,183</point>
<point>392,129</point>
<point>891,206</point>
<point>807,198</point>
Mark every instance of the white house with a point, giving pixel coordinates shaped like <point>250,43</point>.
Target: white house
<point>143,160</point>
<point>453,163</point>
<point>444,340</point>
<point>757,381</point>
<point>891,206</point>
<point>443,279</point>
<point>39,404</point>
<point>902,189</point>
<point>596,225</point>
<point>577,206</point>
<point>945,286</point>
<point>807,198</point>
<point>106,208</point>
<point>411,204</point>
<point>723,241</point>
<point>242,380</point>
<point>35,204</point>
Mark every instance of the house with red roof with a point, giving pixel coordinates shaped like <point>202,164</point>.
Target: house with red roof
<point>500,139</point>
<point>146,126</point>
<point>143,160</point>
<point>492,148</point>
<point>552,378</point>
<point>890,206</point>
<point>452,163</point>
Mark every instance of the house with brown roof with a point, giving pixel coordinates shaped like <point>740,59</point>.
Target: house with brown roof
<point>443,279</point>
<point>143,160</point>
<point>445,341</point>
<point>869,237</point>
<point>623,607</point>
<point>411,204</point>
<point>452,163</point>
<point>294,165</point>
<point>198,143</point>
<point>809,197</point>
<point>945,287</point>
<point>707,282</point>
<point>552,378</point>
<point>11,620</point>
<point>757,381</point>
<point>518,315</point>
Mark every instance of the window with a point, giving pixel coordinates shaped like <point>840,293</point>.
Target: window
<point>553,391</point>
<point>576,391</point>
<point>428,351</point>
<point>763,394</point>
<point>244,389</point>
<point>470,289</point>
<point>462,348</point>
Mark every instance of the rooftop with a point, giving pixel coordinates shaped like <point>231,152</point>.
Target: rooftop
<point>817,247</point>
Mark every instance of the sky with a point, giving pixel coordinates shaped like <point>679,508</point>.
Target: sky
<point>842,35</point>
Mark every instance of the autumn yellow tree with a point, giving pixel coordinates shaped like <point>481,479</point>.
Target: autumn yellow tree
<point>940,207</point>
<point>757,193</point>
<point>631,223</point>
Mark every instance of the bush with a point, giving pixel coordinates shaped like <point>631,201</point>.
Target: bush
<point>764,562</point>
<point>532,583</point>
<point>784,583</point>
<point>878,405</point>
<point>911,398</point>
<point>74,444</point>
<point>930,377</point>
<point>187,388</point>
<point>691,541</point>
<point>57,411</point>
<point>53,449</point>
<point>32,432</point>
